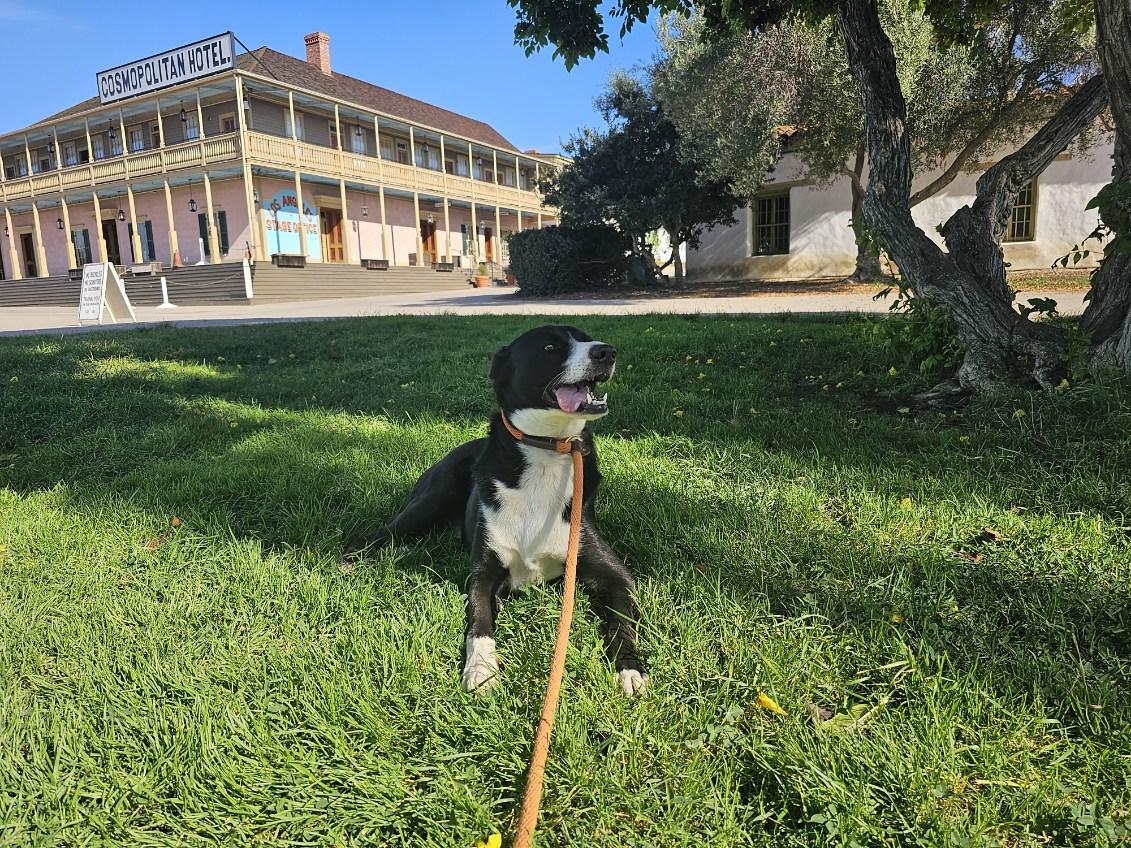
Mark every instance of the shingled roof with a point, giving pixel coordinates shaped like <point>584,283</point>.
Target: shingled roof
<point>291,71</point>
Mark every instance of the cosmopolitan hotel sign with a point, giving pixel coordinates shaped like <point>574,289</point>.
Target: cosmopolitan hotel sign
<point>199,59</point>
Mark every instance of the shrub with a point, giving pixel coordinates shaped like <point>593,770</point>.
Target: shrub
<point>554,260</point>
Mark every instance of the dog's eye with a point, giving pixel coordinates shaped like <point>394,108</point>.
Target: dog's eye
<point>551,347</point>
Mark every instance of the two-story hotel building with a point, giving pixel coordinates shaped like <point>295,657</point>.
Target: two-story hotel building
<point>259,155</point>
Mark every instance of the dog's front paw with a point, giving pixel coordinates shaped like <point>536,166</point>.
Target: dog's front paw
<point>632,681</point>
<point>481,669</point>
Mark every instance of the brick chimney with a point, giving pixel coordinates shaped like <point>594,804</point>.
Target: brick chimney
<point>318,51</point>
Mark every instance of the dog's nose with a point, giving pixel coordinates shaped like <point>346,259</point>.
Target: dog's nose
<point>603,354</point>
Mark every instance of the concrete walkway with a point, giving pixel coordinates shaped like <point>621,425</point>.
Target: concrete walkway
<point>26,320</point>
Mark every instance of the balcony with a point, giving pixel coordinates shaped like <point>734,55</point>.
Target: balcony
<point>143,163</point>
<point>273,151</point>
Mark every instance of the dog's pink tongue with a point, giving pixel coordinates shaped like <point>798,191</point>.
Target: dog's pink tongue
<point>570,398</point>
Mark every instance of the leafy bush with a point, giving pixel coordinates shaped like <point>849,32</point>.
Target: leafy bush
<point>923,336</point>
<point>554,260</point>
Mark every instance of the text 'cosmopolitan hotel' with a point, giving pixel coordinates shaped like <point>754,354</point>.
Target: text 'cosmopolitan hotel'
<point>206,156</point>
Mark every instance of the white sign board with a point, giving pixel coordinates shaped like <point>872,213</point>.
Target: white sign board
<point>173,67</point>
<point>104,293</point>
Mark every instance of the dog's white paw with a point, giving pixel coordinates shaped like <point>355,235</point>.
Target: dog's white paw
<point>631,681</point>
<point>481,668</point>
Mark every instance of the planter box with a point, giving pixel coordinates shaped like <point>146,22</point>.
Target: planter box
<point>375,264</point>
<point>288,260</point>
<point>444,266</point>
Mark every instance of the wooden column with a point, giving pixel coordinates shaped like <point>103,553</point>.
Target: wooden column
<point>301,216</point>
<point>200,118</point>
<point>27,157</point>
<point>298,175</point>
<point>124,137</point>
<point>419,240</point>
<point>384,227</point>
<point>412,148</point>
<point>40,252</point>
<point>174,242</point>
<point>160,130</point>
<point>213,237</point>
<point>72,259</point>
<point>498,235</point>
<point>58,150</point>
<point>447,232</point>
<point>17,271</point>
<point>518,220</point>
<point>347,247</point>
<point>474,236</point>
<point>258,245</point>
<point>98,234</point>
<point>135,238</point>
<point>89,145</point>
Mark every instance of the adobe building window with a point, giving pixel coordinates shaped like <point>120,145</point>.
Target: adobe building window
<point>771,225</point>
<point>1023,217</point>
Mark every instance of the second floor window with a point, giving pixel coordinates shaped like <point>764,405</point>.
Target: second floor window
<point>70,154</point>
<point>402,152</point>
<point>299,130</point>
<point>357,140</point>
<point>192,126</point>
<point>228,122</point>
<point>427,156</point>
<point>99,147</point>
<point>155,135</point>
<point>137,139</point>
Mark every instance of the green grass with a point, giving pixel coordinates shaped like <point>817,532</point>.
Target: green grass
<point>226,682</point>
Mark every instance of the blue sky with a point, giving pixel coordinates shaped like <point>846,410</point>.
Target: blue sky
<point>459,55</point>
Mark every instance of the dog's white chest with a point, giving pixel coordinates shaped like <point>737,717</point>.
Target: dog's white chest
<point>527,529</point>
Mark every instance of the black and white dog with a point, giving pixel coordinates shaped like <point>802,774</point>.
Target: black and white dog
<point>512,491</point>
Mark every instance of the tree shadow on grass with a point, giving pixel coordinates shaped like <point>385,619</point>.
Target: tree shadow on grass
<point>794,516</point>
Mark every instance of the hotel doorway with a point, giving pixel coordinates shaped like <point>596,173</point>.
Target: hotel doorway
<point>488,244</point>
<point>428,241</point>
<point>110,235</point>
<point>333,247</point>
<point>27,244</point>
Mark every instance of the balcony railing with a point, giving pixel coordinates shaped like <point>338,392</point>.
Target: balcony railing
<point>282,152</point>
<point>144,163</point>
<point>275,151</point>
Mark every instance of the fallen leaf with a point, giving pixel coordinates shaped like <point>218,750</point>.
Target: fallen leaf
<point>765,702</point>
<point>176,522</point>
<point>989,534</point>
<point>903,410</point>
<point>817,713</point>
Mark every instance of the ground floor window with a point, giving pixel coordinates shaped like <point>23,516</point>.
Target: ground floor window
<point>145,236</point>
<point>1023,218</point>
<point>771,225</point>
<point>81,240</point>
<point>221,232</point>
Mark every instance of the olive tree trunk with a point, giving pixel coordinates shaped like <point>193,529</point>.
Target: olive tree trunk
<point>968,279</point>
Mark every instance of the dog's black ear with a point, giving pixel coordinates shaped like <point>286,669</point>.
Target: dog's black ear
<point>499,362</point>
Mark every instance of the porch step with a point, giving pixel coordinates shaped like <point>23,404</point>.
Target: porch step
<point>318,282</point>
<point>40,291</point>
<point>195,285</point>
<point>191,286</point>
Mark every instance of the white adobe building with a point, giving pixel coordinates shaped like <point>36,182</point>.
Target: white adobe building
<point>795,230</point>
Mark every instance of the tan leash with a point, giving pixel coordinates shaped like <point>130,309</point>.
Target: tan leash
<point>532,799</point>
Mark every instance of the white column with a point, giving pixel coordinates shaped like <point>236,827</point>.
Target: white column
<point>213,238</point>
<point>17,272</point>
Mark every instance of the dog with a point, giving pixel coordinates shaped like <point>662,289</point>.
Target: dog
<point>511,493</point>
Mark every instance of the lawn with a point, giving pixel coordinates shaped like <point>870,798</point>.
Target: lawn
<point>940,603</point>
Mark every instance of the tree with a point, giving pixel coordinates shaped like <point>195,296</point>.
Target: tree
<point>968,277</point>
<point>634,174</point>
<point>964,101</point>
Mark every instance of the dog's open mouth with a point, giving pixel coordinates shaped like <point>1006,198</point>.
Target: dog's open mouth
<point>579,398</point>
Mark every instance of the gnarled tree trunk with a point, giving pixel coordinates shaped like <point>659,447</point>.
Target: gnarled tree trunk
<point>1107,320</point>
<point>867,253</point>
<point>969,280</point>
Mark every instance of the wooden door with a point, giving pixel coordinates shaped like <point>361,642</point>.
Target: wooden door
<point>28,245</point>
<point>428,240</point>
<point>110,235</point>
<point>333,248</point>
<point>488,244</point>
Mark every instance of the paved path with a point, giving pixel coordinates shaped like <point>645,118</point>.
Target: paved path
<point>24,320</point>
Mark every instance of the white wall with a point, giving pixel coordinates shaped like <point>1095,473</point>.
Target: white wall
<point>821,241</point>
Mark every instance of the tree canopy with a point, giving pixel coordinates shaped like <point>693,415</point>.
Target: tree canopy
<point>635,175</point>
